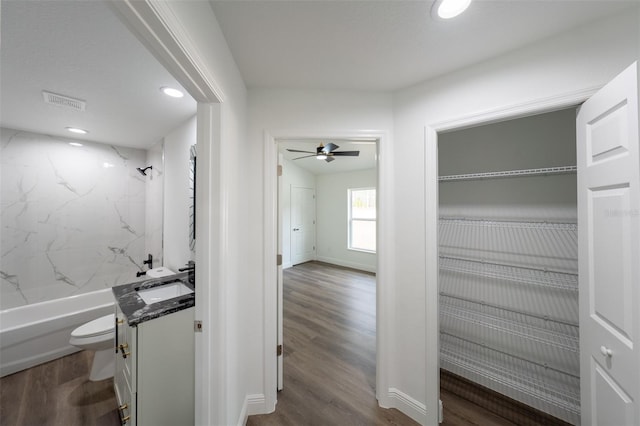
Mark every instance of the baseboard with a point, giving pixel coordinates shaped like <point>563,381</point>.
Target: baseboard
<point>409,406</point>
<point>499,404</point>
<point>347,264</point>
<point>253,404</point>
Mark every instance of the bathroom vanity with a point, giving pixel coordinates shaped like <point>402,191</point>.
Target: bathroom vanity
<point>154,378</point>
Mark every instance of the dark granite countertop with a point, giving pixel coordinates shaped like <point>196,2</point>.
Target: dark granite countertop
<point>137,311</point>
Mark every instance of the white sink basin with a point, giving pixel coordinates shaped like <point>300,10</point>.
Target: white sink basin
<point>164,292</point>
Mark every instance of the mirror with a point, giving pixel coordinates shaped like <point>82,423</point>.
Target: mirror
<point>192,198</point>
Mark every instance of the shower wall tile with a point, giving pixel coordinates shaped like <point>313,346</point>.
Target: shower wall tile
<point>72,219</point>
<point>155,204</point>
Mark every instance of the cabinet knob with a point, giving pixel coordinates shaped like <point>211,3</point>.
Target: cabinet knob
<point>606,351</point>
<point>123,347</point>
<point>119,321</point>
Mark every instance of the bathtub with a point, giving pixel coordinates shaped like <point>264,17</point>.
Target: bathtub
<point>37,333</point>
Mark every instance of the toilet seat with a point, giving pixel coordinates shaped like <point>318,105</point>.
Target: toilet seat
<point>97,327</point>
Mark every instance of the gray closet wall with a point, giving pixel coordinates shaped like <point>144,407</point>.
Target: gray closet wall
<point>509,260</point>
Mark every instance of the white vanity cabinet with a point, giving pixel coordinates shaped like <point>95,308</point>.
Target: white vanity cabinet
<point>154,378</point>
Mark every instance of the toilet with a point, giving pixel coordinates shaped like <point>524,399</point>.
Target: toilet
<point>99,335</point>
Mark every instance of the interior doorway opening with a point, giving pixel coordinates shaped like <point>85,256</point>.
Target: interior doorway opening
<point>508,267</point>
<point>313,232</point>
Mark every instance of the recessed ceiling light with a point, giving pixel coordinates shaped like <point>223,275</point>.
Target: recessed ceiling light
<point>75,144</point>
<point>447,9</point>
<point>174,93</point>
<point>76,130</point>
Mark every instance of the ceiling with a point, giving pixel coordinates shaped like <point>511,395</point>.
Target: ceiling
<point>80,49</point>
<point>384,44</point>
<point>365,160</point>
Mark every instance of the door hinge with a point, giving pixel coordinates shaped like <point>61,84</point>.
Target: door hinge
<point>279,260</point>
<point>440,411</point>
<point>197,326</point>
<point>279,350</point>
<point>279,170</point>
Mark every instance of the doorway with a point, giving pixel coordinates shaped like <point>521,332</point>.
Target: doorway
<point>313,197</point>
<point>508,259</point>
<point>608,183</point>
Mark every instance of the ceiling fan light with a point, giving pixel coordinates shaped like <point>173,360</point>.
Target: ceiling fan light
<point>321,157</point>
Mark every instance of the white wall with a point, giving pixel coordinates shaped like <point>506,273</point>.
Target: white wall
<point>177,145</point>
<point>332,214</point>
<point>292,175</point>
<point>584,58</point>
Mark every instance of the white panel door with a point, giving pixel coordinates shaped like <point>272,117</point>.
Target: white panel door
<point>609,253</point>
<point>303,224</point>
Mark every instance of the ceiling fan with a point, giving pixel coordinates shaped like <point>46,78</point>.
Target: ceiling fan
<point>326,152</point>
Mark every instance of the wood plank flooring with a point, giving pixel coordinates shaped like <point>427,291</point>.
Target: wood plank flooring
<point>58,393</point>
<point>329,350</point>
<point>330,354</point>
<point>329,367</point>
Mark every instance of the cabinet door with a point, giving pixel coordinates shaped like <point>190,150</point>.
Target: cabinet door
<point>166,370</point>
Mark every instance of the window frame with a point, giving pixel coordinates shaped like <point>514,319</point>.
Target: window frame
<point>350,219</point>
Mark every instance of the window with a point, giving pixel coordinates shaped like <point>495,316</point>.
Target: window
<point>362,219</point>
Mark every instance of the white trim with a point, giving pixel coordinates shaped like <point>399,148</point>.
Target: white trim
<point>341,262</point>
<point>253,404</point>
<point>409,406</point>
<point>530,107</point>
<point>385,256</point>
<point>517,110</point>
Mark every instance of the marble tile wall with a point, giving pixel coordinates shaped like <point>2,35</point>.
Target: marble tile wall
<point>72,219</point>
<point>154,206</point>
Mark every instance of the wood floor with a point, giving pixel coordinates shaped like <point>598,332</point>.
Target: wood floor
<point>58,393</point>
<point>330,354</point>
<point>329,350</point>
<point>329,367</point>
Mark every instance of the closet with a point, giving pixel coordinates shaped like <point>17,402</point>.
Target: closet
<point>508,260</point>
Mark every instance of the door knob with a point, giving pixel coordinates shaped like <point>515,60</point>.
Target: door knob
<point>606,351</point>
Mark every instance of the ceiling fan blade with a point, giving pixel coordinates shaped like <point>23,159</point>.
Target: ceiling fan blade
<point>330,147</point>
<point>329,159</point>
<point>347,153</point>
<point>306,156</point>
<point>297,150</point>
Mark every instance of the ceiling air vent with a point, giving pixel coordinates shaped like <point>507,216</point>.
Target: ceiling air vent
<point>63,101</point>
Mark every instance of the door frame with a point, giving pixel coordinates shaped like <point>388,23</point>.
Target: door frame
<point>384,273</point>
<point>432,313</point>
<point>155,25</point>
